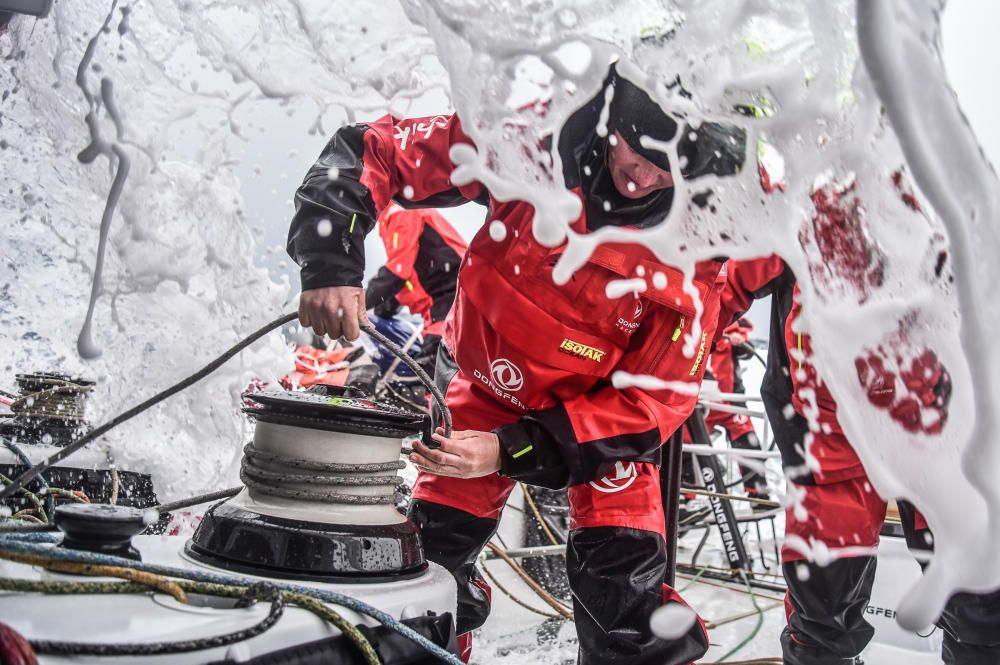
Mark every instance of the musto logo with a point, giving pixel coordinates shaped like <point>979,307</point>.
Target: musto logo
<point>505,378</point>
<point>581,350</point>
<point>623,476</point>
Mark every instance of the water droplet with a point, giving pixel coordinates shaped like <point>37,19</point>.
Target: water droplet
<point>672,621</point>
<point>567,18</point>
<point>498,230</point>
<point>324,228</point>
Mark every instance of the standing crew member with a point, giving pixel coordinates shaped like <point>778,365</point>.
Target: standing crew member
<point>526,363</point>
<point>825,605</point>
<point>724,364</point>
<point>423,253</point>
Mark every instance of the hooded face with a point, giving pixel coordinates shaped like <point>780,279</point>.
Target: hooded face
<point>633,175</point>
<point>633,114</point>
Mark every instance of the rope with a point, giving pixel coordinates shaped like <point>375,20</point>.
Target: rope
<point>196,500</point>
<point>63,400</point>
<point>538,514</point>
<point>753,633</point>
<point>504,591</point>
<point>305,602</point>
<point>23,458</point>
<point>254,453</point>
<point>732,497</point>
<point>729,587</point>
<point>316,495</point>
<point>100,431</point>
<point>417,369</point>
<point>259,591</point>
<point>711,625</point>
<point>33,498</point>
<point>22,545</point>
<point>549,599</point>
<point>115,485</point>
<point>96,570</point>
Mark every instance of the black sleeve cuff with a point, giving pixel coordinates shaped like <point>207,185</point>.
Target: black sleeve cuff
<point>382,287</point>
<point>528,454</point>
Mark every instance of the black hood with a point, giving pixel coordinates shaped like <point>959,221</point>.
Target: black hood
<point>633,114</point>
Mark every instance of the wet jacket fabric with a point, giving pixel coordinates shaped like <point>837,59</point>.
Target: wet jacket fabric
<point>545,350</point>
<point>423,254</point>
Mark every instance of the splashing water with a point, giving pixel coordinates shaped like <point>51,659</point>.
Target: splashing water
<point>179,282</point>
<point>800,63</point>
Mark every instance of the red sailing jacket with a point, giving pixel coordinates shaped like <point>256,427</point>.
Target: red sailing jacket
<point>423,254</point>
<point>544,351</point>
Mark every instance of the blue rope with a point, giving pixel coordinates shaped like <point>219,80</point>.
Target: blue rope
<point>23,544</point>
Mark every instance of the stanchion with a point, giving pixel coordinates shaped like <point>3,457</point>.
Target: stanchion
<point>670,494</point>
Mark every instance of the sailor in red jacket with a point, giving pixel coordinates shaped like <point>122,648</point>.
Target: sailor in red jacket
<point>526,363</point>
<point>825,605</point>
<point>724,363</point>
<point>423,255</point>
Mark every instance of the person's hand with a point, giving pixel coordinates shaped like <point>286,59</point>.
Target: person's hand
<point>736,339</point>
<point>334,310</point>
<point>466,454</point>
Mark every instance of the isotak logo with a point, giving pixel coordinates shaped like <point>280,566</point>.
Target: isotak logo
<point>624,475</point>
<point>507,375</point>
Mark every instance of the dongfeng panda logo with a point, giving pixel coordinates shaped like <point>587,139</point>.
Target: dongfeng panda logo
<point>507,375</point>
<point>621,478</point>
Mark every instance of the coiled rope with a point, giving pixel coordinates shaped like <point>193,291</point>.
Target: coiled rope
<point>59,398</point>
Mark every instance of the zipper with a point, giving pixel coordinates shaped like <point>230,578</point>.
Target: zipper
<point>673,338</point>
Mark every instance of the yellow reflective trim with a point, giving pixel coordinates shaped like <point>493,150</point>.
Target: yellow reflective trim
<point>522,452</point>
<point>354,218</point>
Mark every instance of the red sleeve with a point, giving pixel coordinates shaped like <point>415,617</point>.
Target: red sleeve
<point>747,281</point>
<point>410,158</point>
<point>360,170</point>
<point>401,236</point>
